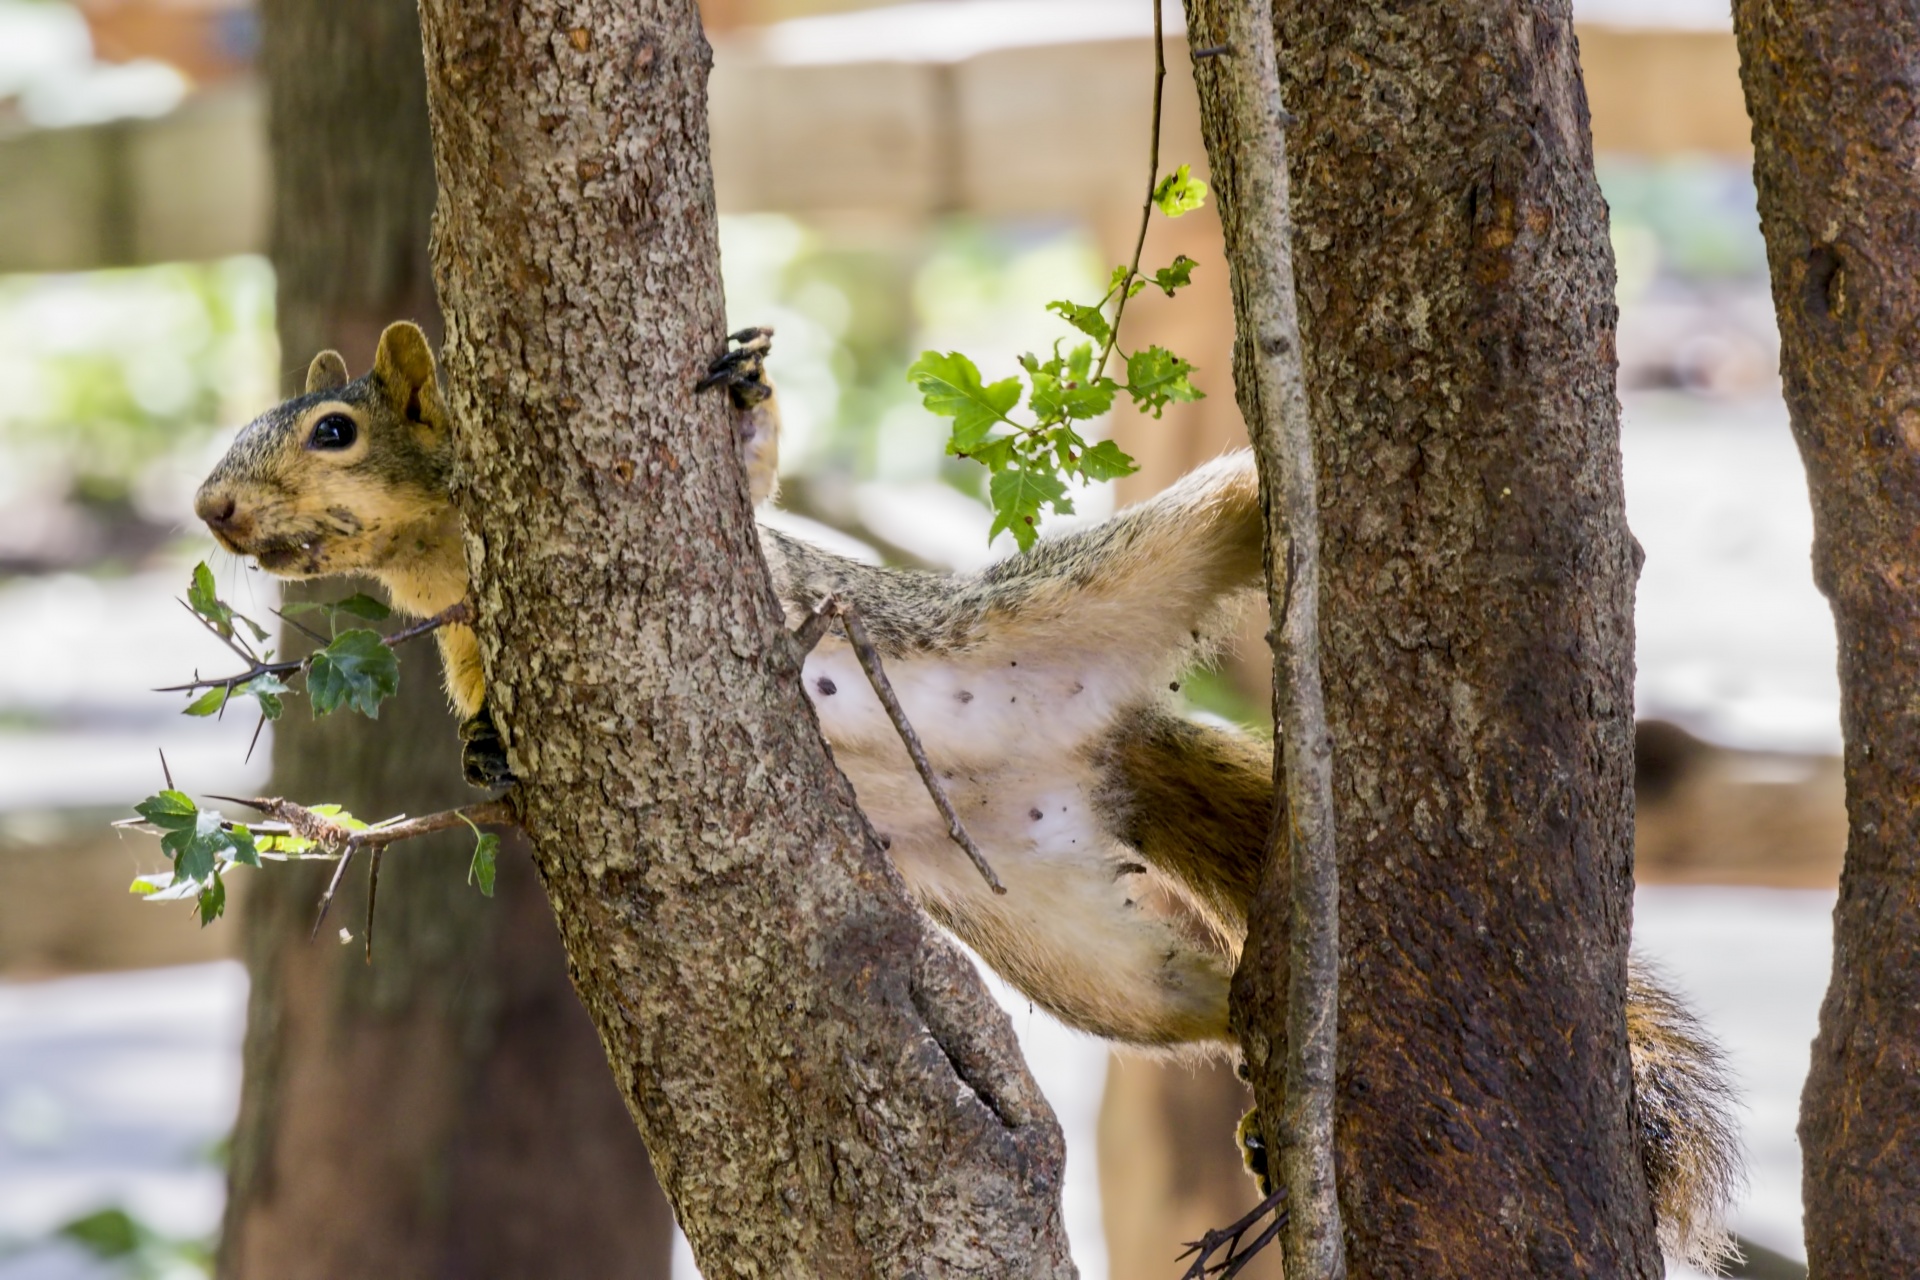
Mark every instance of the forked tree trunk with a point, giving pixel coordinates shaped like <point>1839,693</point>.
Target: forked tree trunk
<point>445,1112</point>
<point>825,1085</point>
<point>1831,91</point>
<point>1456,292</point>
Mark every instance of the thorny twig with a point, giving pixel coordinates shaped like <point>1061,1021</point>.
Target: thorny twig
<point>808,634</point>
<point>340,841</point>
<point>1235,1259</point>
<point>451,615</point>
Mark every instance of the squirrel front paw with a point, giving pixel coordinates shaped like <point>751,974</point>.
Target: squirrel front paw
<point>483,755</point>
<point>1253,1151</point>
<point>743,370</point>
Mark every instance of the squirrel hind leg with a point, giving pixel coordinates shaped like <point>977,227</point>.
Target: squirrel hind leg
<point>742,370</point>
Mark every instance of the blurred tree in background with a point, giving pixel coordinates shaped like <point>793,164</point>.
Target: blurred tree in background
<point>446,1111</point>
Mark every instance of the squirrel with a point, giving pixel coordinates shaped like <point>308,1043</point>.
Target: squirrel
<point>1129,838</point>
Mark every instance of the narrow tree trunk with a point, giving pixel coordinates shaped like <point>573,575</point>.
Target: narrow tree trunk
<point>1831,90</point>
<point>825,1085</point>
<point>1288,978</point>
<point>447,1111</point>
<point>1476,630</point>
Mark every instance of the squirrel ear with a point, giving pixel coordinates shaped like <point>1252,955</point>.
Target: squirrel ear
<point>328,372</point>
<point>404,366</point>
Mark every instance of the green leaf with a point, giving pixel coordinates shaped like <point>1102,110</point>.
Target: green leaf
<point>203,601</point>
<point>244,849</point>
<point>336,813</point>
<point>995,453</point>
<point>209,703</point>
<point>1106,461</point>
<point>1179,192</point>
<point>485,850</point>
<point>1177,275</point>
<point>1071,400</point>
<point>1018,494</point>
<point>362,605</point>
<point>950,386</point>
<point>356,670</point>
<point>169,810</point>
<point>106,1233</point>
<point>1156,377</point>
<point>213,900</point>
<point>193,849</point>
<point>1088,320</point>
<point>295,608</point>
<point>267,689</point>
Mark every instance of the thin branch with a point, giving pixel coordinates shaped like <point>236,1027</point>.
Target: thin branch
<point>302,627</point>
<point>1227,1238</point>
<point>457,614</point>
<point>231,641</point>
<point>341,841</point>
<point>1245,126</point>
<point>454,614</point>
<point>333,887</point>
<point>1146,207</point>
<point>809,634</point>
<point>373,892</point>
<point>233,682</point>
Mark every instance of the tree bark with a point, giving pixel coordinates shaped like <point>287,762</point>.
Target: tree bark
<point>1830,88</point>
<point>445,1112</point>
<point>825,1085</point>
<point>1288,976</point>
<point>1476,635</point>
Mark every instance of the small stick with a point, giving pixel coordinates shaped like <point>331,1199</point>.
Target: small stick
<point>302,627</point>
<point>808,635</point>
<point>333,886</point>
<point>373,891</point>
<point>451,615</point>
<point>1203,1249</point>
<point>343,841</point>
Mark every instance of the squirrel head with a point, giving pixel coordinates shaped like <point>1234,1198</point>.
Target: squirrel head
<point>349,476</point>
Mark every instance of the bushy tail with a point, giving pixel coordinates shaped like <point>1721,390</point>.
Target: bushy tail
<point>1689,1140</point>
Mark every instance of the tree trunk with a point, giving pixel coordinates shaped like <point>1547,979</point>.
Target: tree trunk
<point>1458,317</point>
<point>824,1083</point>
<point>445,1112</point>
<point>1830,88</point>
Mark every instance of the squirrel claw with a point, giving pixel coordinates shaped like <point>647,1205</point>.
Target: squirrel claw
<point>742,370</point>
<point>1253,1150</point>
<point>483,755</point>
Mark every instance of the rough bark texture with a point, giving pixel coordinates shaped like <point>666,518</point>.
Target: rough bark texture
<point>1288,978</point>
<point>446,1112</point>
<point>1476,635</point>
<point>1831,91</point>
<point>826,1087</point>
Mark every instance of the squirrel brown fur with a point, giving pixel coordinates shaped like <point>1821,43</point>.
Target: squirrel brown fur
<point>1129,838</point>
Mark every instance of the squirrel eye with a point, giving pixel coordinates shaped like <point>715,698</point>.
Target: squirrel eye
<point>335,431</point>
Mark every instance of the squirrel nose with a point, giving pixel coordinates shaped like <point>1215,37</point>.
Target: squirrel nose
<point>215,508</point>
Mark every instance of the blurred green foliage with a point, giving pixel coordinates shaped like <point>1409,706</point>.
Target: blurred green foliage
<point>853,306</point>
<point>105,376</point>
<point>1686,219</point>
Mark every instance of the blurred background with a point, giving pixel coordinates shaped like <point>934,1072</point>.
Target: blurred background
<point>890,179</point>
